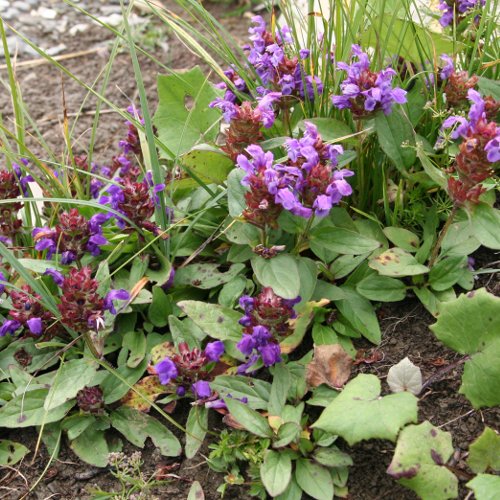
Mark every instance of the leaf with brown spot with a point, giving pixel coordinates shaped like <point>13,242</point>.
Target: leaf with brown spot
<point>150,388</point>
<point>161,351</point>
<point>331,365</point>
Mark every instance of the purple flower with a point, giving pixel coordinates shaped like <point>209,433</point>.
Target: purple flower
<point>364,91</point>
<point>460,8</point>
<point>2,280</point>
<point>270,354</point>
<point>9,327</point>
<point>448,68</point>
<point>35,325</point>
<point>202,389</point>
<point>114,295</point>
<point>214,350</point>
<point>246,345</point>
<point>56,275</point>
<point>166,371</point>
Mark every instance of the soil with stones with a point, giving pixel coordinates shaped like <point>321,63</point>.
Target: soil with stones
<point>404,325</point>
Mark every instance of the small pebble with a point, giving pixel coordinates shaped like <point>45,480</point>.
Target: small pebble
<point>78,28</point>
<point>53,51</point>
<point>46,13</point>
<point>22,6</point>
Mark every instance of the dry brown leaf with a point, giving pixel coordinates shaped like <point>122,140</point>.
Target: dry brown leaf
<point>330,365</point>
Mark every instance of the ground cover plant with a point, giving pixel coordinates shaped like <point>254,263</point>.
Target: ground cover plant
<point>232,258</point>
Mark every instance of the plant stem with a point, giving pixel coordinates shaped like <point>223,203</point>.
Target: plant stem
<point>442,234</point>
<point>303,236</point>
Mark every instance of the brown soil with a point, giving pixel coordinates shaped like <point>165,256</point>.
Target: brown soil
<point>405,325</point>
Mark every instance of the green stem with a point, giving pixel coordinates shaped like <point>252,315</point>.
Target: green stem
<point>303,236</point>
<point>442,234</point>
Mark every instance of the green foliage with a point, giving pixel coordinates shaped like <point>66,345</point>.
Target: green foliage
<point>485,486</point>
<point>11,452</point>
<point>484,452</point>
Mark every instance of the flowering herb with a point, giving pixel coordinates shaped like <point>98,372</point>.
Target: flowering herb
<point>308,183</point>
<point>455,10</point>
<point>365,91</point>
<point>90,400</point>
<point>478,151</point>
<point>72,237</point>
<point>265,322</point>
<point>190,368</point>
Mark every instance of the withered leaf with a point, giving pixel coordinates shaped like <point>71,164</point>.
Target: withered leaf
<point>330,365</point>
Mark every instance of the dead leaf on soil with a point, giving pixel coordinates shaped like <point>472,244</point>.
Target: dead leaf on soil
<point>331,365</point>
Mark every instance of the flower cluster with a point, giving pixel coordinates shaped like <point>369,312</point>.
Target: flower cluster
<point>72,236</point>
<point>458,8</point>
<point>12,184</point>
<point>189,368</point>
<point>266,320</point>
<point>365,91</point>
<point>136,200</point>
<point>90,400</point>
<point>479,150</point>
<point>308,183</point>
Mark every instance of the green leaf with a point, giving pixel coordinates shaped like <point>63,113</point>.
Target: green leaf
<point>279,389</point>
<point>397,263</point>
<point>324,335</point>
<point>381,288</point>
<point>209,164</point>
<point>489,87</point>
<point>332,457</point>
<point>460,240</point>
<point>276,472</point>
<point>257,393</point>
<point>314,479</point>
<point>328,128</point>
<point>236,192</point>
<point>135,342</point>
<point>27,409</point>
<point>232,291</point>
<point>485,486</point>
<point>75,424</point>
<point>196,427</point>
<point>342,240</point>
<point>251,420</point>
<point>293,492</point>
<point>137,427</point>
<point>360,314</point>
<point>485,222</point>
<point>159,308</point>
<point>196,492</point>
<point>470,325</point>
<point>114,389</point>
<point>11,452</point>
<point>396,138</point>
<point>39,266</point>
<point>280,273</point>
<point>345,264</point>
<point>430,169</point>
<point>206,276</point>
<point>419,462</point>
<point>308,276</point>
<point>216,321</point>
<point>402,238</point>
<point>287,432</point>
<point>484,452</point>
<point>91,446</point>
<point>181,124</point>
<point>447,272</point>
<point>185,331</point>
<point>359,412</point>
<point>405,376</point>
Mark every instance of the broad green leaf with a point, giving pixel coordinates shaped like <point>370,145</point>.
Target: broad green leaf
<point>360,314</point>
<point>216,321</point>
<point>209,164</point>
<point>257,392</point>
<point>405,376</point>
<point>114,389</point>
<point>281,273</point>
<point>287,432</point>
<point>324,335</point>
<point>396,138</point>
<point>236,192</point>
<point>293,492</point>
<point>276,472</point>
<point>342,240</point>
<point>159,308</point>
<point>397,263</point>
<point>137,427</point>
<point>359,412</point>
<point>419,462</point>
<point>232,291</point>
<point>279,389</point>
<point>196,492</point>
<point>381,288</point>
<point>185,331</point>
<point>39,266</point>
<point>484,452</point>
<point>345,264</point>
<point>91,447</point>
<point>183,118</point>
<point>75,424</point>
<point>308,275</point>
<point>28,410</point>
<point>205,276</point>
<point>328,128</point>
<point>489,87</point>
<point>485,223</point>
<point>402,238</point>
<point>470,325</point>
<point>250,419</point>
<point>135,342</point>
<point>445,273</point>
<point>314,479</point>
<point>11,452</point>
<point>460,240</point>
<point>430,169</point>
<point>332,457</point>
<point>196,427</point>
<point>485,486</point>
<point>322,396</point>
